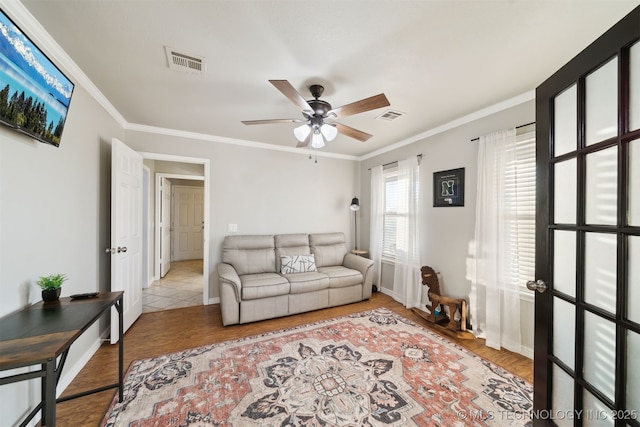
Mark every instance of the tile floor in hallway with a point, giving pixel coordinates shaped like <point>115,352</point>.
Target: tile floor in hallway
<point>181,287</point>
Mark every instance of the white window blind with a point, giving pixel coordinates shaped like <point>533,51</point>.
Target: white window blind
<point>390,215</point>
<point>521,207</point>
<point>394,219</point>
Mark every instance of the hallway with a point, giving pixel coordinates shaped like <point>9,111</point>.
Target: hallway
<point>181,287</point>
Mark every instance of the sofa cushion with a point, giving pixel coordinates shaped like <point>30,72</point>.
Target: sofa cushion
<point>307,282</point>
<point>328,248</point>
<point>291,264</point>
<point>290,244</point>
<point>250,254</point>
<point>340,277</point>
<point>263,285</point>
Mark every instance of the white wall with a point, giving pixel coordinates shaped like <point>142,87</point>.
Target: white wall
<point>55,218</point>
<point>264,191</point>
<point>447,231</point>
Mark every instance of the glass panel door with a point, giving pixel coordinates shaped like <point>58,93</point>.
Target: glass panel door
<point>588,233</point>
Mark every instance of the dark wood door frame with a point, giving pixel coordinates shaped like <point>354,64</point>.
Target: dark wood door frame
<point>614,42</point>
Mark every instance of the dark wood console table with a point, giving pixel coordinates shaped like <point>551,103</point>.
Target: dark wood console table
<point>40,333</point>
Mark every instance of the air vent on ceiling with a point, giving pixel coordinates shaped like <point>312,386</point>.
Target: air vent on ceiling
<point>183,62</point>
<point>390,115</point>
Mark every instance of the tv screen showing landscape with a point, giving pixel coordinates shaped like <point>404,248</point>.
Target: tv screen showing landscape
<point>34,94</point>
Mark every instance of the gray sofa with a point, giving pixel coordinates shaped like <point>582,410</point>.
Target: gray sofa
<point>267,276</point>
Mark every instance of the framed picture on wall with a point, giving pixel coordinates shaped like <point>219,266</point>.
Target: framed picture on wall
<point>448,188</point>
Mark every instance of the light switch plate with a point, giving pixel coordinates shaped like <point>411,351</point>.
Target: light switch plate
<point>233,228</point>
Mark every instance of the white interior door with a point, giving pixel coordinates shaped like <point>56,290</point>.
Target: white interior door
<point>126,233</point>
<point>165,226</point>
<point>188,222</point>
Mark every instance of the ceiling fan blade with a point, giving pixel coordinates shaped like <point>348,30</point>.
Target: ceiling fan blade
<point>353,133</point>
<point>290,92</point>
<point>269,121</point>
<point>303,144</point>
<point>371,103</point>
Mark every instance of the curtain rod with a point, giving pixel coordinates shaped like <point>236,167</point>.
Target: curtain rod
<point>419,156</point>
<point>517,127</point>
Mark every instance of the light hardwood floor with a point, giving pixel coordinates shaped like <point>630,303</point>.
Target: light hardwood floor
<point>173,330</point>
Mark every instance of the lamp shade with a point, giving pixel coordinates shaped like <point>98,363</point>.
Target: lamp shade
<point>302,132</point>
<point>355,204</point>
<point>316,140</point>
<point>329,131</point>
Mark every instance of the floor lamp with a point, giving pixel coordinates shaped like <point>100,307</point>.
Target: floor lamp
<point>355,205</point>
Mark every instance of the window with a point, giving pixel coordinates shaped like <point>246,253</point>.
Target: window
<point>390,215</point>
<point>394,218</point>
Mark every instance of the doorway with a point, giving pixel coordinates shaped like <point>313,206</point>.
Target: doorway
<point>180,287</point>
<point>186,282</point>
<point>188,225</point>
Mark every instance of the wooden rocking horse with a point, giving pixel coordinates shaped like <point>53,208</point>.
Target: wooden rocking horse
<point>437,313</point>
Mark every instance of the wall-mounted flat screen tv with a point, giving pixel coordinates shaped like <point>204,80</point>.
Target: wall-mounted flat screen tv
<point>34,93</point>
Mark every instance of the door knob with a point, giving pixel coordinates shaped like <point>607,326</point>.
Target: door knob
<point>110,250</point>
<point>122,249</point>
<point>538,285</point>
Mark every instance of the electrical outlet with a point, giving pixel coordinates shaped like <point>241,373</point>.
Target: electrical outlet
<point>233,228</point>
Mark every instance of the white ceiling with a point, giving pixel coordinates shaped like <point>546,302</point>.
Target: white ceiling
<point>436,61</point>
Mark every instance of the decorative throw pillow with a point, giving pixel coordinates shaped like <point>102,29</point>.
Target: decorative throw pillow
<point>297,264</point>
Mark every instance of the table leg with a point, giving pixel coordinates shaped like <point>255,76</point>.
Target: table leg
<point>49,397</point>
<point>43,396</point>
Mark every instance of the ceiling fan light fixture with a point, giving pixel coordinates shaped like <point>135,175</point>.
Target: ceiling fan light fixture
<point>302,132</point>
<point>316,140</point>
<point>315,111</point>
<point>329,131</point>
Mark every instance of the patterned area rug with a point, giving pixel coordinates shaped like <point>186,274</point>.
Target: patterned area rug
<point>373,368</point>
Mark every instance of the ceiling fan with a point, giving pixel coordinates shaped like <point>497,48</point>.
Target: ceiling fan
<point>315,129</point>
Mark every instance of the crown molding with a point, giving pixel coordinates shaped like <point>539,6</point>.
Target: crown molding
<point>487,111</point>
<point>233,141</point>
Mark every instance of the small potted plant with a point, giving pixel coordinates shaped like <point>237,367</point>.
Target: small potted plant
<point>51,286</point>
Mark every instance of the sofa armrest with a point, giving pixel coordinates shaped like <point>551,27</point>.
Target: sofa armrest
<point>364,266</point>
<point>228,274</point>
<point>230,293</point>
<point>356,262</point>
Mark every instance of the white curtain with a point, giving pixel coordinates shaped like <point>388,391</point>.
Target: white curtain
<point>406,280</point>
<point>495,292</point>
<point>377,222</point>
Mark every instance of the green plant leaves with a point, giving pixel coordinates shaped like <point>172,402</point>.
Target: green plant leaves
<point>53,281</point>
